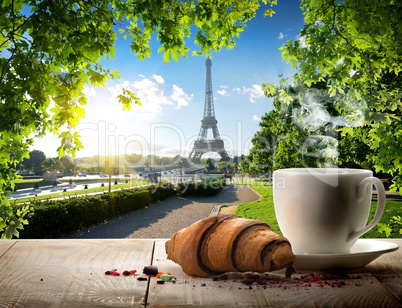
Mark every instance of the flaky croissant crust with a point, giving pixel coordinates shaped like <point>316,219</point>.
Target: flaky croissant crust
<point>229,243</point>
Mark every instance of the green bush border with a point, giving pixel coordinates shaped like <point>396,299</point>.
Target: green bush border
<point>186,189</point>
<point>55,218</point>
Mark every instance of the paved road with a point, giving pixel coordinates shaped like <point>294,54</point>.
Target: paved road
<point>163,219</point>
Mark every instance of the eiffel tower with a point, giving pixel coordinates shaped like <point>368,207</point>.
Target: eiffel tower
<point>203,145</point>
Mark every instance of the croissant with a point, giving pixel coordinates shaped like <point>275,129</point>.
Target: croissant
<point>229,243</point>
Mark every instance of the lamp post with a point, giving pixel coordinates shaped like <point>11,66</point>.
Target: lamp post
<point>110,170</point>
<point>160,169</point>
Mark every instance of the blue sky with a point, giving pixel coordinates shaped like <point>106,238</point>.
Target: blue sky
<point>173,94</point>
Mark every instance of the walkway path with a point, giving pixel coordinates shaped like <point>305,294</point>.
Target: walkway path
<point>163,219</point>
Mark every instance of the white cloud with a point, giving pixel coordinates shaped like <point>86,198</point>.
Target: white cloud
<point>302,40</point>
<point>223,92</point>
<point>254,92</point>
<point>256,118</point>
<point>89,91</point>
<point>153,94</point>
<point>281,36</point>
<point>159,79</point>
<point>180,97</point>
<point>237,90</point>
<point>150,92</point>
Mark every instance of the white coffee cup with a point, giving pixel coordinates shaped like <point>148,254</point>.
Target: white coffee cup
<point>325,210</point>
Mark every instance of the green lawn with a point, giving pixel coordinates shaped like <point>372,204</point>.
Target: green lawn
<point>389,225</point>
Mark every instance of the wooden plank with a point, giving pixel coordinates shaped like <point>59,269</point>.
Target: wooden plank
<point>388,269</point>
<point>192,290</point>
<point>357,289</point>
<point>215,210</point>
<point>5,245</point>
<point>70,273</point>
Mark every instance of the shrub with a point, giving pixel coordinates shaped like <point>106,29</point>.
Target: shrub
<point>47,220</point>
<point>199,188</point>
<point>54,218</point>
<point>161,192</point>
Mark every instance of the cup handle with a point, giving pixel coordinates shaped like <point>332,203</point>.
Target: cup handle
<point>361,189</point>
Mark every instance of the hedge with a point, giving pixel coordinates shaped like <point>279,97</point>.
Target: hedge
<point>54,218</point>
<point>200,188</point>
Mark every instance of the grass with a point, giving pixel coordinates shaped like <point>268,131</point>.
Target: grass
<point>263,209</point>
<point>62,194</point>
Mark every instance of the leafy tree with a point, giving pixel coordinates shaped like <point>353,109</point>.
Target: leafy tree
<point>181,161</point>
<point>68,164</point>
<point>35,160</point>
<point>51,50</point>
<point>244,164</point>
<point>52,164</point>
<point>49,164</point>
<point>224,166</point>
<point>303,133</point>
<point>357,45</point>
<point>278,144</point>
<point>209,165</point>
<point>235,167</point>
<point>354,150</point>
<point>290,135</point>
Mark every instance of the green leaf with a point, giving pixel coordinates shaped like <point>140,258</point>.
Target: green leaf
<point>384,228</point>
<point>269,13</point>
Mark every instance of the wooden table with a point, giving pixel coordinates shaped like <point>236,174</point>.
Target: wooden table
<point>71,273</point>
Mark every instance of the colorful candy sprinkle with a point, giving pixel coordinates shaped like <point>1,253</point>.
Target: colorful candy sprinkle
<point>167,277</point>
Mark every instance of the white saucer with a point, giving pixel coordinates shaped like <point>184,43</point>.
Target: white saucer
<point>361,254</point>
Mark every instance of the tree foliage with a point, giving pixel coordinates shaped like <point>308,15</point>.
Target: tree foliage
<point>298,131</point>
<point>51,50</point>
<point>209,165</point>
<point>302,133</point>
<point>35,160</point>
<point>356,48</point>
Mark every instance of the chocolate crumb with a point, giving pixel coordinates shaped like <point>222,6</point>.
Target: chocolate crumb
<point>247,281</point>
<point>289,271</point>
<point>126,273</point>
<point>142,278</point>
<point>251,276</point>
<point>150,270</point>
<point>160,281</point>
<point>261,281</point>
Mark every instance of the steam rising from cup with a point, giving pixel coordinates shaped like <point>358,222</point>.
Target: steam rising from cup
<point>314,115</point>
<point>323,148</point>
